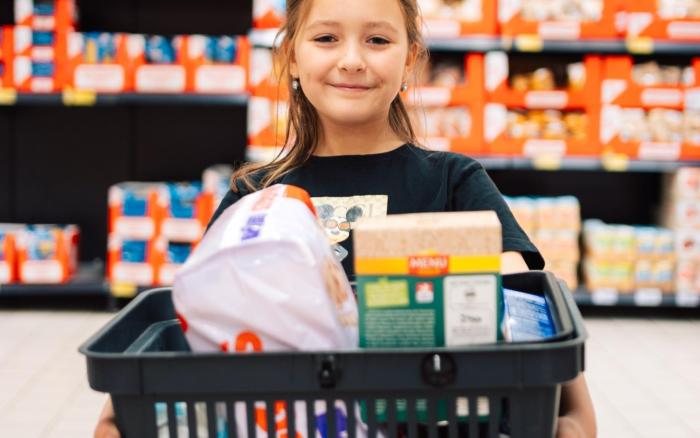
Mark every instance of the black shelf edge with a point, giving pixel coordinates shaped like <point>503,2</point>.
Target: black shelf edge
<point>89,281</point>
<point>584,297</point>
<point>581,164</point>
<point>86,99</point>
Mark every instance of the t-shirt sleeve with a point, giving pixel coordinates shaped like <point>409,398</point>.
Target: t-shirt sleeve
<point>474,190</point>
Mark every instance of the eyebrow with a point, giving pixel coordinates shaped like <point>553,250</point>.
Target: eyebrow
<point>370,25</point>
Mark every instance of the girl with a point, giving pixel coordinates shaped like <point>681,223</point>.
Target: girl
<point>352,147</point>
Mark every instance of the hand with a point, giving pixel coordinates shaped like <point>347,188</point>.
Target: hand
<point>106,429</point>
<point>568,427</point>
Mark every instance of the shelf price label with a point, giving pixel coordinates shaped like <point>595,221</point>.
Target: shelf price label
<point>604,297</point>
<point>79,97</point>
<point>614,162</point>
<point>8,96</point>
<point>123,290</point>
<point>529,43</point>
<point>640,45</point>
<point>648,297</point>
<point>687,299</point>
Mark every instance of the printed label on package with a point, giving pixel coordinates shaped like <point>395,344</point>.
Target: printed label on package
<point>220,79</point>
<point>470,314</point>
<point>101,78</point>
<point>4,272</point>
<point>41,271</point>
<point>559,30</point>
<point>546,99</point>
<point>661,97</point>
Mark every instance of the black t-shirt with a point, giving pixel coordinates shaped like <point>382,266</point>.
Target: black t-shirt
<point>405,180</point>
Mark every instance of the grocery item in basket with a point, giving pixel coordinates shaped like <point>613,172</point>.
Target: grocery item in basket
<point>428,279</point>
<point>264,278</point>
<point>526,317</point>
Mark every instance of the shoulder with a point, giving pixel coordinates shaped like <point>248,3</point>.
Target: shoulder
<point>455,166</point>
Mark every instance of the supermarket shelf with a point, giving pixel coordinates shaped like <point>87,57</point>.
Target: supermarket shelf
<point>92,99</point>
<point>581,164</point>
<point>89,281</point>
<point>608,298</point>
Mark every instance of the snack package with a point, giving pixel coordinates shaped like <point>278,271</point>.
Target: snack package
<point>176,254</point>
<point>429,279</point>
<point>133,261</point>
<point>160,67</point>
<point>47,253</point>
<point>217,181</point>
<point>187,211</point>
<point>134,210</point>
<point>264,279</point>
<point>216,64</point>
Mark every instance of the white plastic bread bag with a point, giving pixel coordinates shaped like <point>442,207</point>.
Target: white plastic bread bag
<point>264,278</point>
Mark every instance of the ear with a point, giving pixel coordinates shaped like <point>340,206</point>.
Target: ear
<point>411,60</point>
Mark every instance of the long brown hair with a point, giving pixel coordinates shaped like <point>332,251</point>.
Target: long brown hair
<point>303,128</point>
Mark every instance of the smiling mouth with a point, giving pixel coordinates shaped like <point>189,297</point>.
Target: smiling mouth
<point>350,87</point>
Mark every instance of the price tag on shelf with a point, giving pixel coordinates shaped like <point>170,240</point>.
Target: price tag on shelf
<point>79,97</point>
<point>547,162</point>
<point>529,43</point>
<point>687,299</point>
<point>662,151</point>
<point>648,297</point>
<point>604,297</point>
<point>613,162</point>
<point>640,45</point>
<point>123,290</point>
<point>8,96</point>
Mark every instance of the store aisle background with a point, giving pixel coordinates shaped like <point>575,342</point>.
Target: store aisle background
<point>642,373</point>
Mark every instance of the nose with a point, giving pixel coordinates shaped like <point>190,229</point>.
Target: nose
<point>351,59</point>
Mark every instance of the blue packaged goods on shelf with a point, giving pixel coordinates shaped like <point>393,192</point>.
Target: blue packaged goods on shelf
<point>99,48</point>
<point>220,50</point>
<point>182,199</point>
<point>160,50</point>
<point>178,252</point>
<point>40,242</point>
<point>133,210</point>
<point>43,69</point>
<point>134,251</point>
<point>44,7</point>
<point>526,317</point>
<point>47,253</point>
<point>43,38</point>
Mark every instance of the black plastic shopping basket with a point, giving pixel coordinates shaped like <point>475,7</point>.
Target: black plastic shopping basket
<point>161,389</point>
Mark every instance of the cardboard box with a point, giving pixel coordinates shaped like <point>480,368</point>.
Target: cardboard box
<point>582,91</point>
<point>6,57</point>
<point>135,210</point>
<point>186,211</point>
<point>100,62</point>
<point>269,14</point>
<point>430,279</point>
<point>653,19</point>
<point>47,254</point>
<point>217,64</point>
<point>45,15</point>
<point>450,19</point>
<point>134,262</point>
<point>518,18</point>
<point>618,87</point>
<point>264,75</point>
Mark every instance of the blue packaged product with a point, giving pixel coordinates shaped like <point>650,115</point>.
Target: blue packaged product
<point>526,317</point>
<point>40,243</point>
<point>178,252</point>
<point>221,50</point>
<point>99,48</point>
<point>43,38</point>
<point>45,7</point>
<point>133,251</point>
<point>43,69</point>
<point>135,203</point>
<point>160,50</point>
<point>182,199</point>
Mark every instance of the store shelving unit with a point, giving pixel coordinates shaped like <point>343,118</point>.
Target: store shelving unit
<point>55,146</point>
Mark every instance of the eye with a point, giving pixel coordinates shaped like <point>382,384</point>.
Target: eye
<point>380,41</point>
<point>325,39</point>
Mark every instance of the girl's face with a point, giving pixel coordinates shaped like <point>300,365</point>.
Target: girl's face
<point>351,58</point>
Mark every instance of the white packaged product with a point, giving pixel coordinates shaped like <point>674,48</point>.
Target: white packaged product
<point>264,278</point>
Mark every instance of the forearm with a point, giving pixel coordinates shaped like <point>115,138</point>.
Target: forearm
<point>576,404</point>
<point>512,262</point>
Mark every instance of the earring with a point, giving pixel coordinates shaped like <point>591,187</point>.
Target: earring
<point>404,87</point>
<point>295,84</point>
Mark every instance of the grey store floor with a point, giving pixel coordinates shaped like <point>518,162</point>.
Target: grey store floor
<point>644,375</point>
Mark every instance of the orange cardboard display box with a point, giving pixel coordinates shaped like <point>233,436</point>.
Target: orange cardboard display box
<point>447,108</point>
<point>6,57</point>
<point>49,16</point>
<point>39,59</point>
<point>217,64</point>
<point>186,211</point>
<point>580,92</point>
<point>134,262</point>
<point>159,63</point>
<point>102,62</point>
<point>264,75</point>
<point>659,134</point>
<point>662,20</point>
<point>618,87</point>
<point>586,19</point>
<point>135,210</point>
<point>450,19</point>
<point>504,134</point>
<point>47,254</point>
